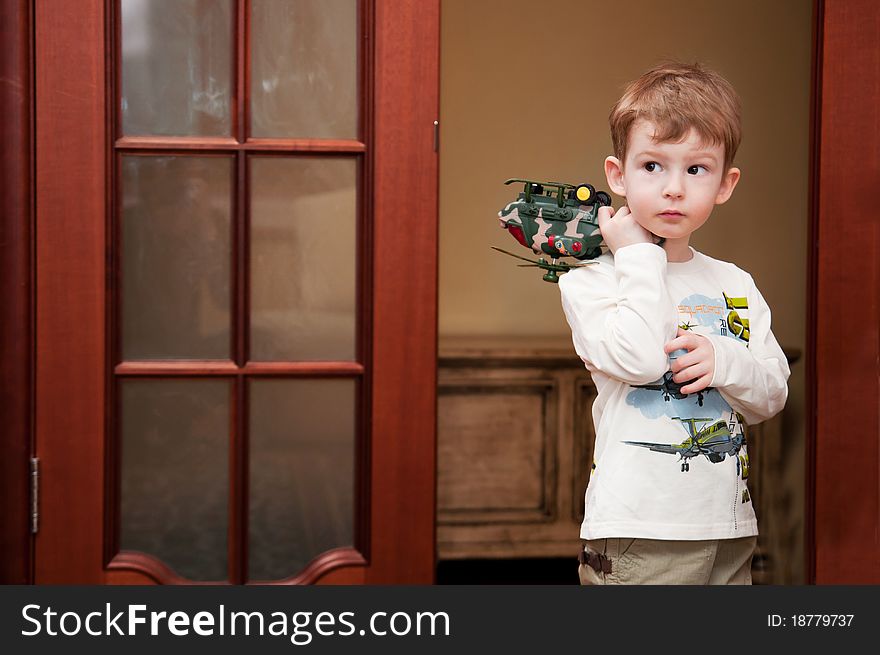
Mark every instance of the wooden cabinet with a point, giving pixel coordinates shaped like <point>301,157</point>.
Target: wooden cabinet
<point>515,443</point>
<point>511,473</point>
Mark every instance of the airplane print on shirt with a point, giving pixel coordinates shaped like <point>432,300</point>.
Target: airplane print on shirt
<point>710,427</point>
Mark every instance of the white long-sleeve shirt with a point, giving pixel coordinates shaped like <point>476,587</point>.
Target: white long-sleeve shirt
<point>668,465</point>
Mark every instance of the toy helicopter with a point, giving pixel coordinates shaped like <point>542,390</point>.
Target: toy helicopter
<point>557,220</point>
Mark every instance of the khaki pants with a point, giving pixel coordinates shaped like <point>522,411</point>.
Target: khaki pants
<point>655,561</point>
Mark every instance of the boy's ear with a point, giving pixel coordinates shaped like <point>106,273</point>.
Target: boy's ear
<point>728,184</point>
<point>614,175</point>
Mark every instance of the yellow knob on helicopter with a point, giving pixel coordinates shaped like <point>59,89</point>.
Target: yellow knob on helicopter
<point>583,192</point>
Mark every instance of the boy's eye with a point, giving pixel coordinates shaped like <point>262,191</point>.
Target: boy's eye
<point>694,170</point>
<point>651,166</point>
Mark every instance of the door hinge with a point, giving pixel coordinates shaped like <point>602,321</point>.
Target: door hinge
<point>35,495</point>
<point>436,136</point>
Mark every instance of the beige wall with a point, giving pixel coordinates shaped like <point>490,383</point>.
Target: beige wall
<point>525,92</point>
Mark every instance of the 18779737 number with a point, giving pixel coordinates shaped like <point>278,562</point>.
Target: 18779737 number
<point>810,620</point>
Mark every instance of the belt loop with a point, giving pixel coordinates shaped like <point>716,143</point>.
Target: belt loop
<point>597,561</point>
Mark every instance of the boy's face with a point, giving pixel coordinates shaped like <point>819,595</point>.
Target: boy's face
<point>671,188</point>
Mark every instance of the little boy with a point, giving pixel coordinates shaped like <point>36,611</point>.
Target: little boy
<point>678,344</point>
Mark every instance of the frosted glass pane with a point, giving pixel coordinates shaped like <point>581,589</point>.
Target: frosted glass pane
<point>176,257</point>
<point>302,445</point>
<point>177,67</point>
<point>304,68</point>
<point>174,473</point>
<point>303,258</point>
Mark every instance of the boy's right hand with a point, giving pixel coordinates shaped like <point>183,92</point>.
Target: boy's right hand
<point>622,229</point>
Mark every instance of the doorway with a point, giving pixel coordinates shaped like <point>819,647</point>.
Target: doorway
<point>538,110</point>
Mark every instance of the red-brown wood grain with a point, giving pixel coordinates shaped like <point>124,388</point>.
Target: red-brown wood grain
<point>846,433</point>
<point>222,144</point>
<point>70,319</point>
<point>16,346</point>
<point>226,368</point>
<point>337,566</point>
<point>404,345</point>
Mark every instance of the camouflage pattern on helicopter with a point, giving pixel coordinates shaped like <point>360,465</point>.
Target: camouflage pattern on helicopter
<point>555,219</point>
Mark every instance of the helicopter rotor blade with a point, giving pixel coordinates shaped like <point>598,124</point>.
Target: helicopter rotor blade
<point>564,185</point>
<point>525,259</point>
<point>561,267</point>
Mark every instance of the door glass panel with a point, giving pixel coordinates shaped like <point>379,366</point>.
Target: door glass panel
<point>174,473</point>
<point>302,445</point>
<point>303,258</point>
<point>177,67</point>
<point>176,254</point>
<point>304,69</point>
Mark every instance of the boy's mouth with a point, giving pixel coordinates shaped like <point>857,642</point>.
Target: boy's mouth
<point>671,213</point>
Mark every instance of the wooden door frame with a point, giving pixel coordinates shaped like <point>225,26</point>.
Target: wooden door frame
<point>404,334</point>
<point>16,308</point>
<point>843,340</point>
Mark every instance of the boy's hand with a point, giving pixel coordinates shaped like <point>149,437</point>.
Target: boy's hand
<point>698,366</point>
<point>621,229</point>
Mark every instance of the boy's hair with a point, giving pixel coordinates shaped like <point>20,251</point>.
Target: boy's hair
<point>676,97</point>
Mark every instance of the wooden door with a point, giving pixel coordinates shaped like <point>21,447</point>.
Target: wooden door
<point>236,291</point>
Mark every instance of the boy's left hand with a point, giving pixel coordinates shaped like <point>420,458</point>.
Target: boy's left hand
<point>698,366</point>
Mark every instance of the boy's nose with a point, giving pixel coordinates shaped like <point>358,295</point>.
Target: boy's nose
<point>673,188</point>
